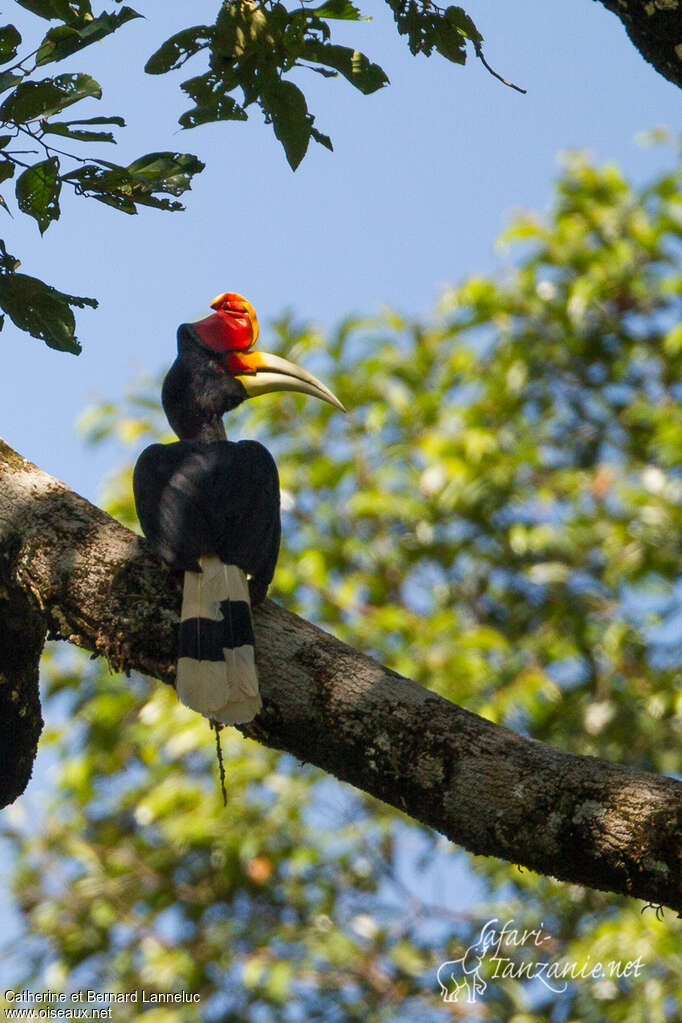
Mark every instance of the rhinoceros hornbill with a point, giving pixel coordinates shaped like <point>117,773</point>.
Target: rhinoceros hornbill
<point>211,507</point>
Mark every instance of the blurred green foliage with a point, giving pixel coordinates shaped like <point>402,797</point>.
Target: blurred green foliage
<point>497,517</point>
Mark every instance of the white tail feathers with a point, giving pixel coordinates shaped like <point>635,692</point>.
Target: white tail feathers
<point>216,673</point>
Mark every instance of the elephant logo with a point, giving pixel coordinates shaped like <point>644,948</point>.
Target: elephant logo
<point>460,979</point>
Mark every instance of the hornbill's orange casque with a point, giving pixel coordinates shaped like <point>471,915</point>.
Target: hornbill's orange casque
<point>211,507</point>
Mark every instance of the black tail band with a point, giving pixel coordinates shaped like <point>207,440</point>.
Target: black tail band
<point>205,640</point>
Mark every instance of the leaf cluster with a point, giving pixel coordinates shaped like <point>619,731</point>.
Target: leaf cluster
<point>253,47</point>
<point>429,27</point>
<point>257,52</point>
<point>29,115</point>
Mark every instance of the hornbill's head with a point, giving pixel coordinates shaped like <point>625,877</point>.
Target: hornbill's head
<point>230,334</point>
<point>217,368</point>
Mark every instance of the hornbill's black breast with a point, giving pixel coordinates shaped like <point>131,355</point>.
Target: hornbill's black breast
<point>220,498</point>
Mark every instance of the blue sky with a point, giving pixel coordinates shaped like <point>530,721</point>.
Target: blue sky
<point>424,175</point>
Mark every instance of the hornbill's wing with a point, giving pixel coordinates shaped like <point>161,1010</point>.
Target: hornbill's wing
<point>250,533</point>
<point>221,498</point>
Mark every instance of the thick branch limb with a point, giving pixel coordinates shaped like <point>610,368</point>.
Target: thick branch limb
<point>580,819</point>
<point>655,29</point>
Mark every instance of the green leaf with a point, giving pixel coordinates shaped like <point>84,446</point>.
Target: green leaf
<point>178,49</point>
<point>249,30</point>
<point>62,41</point>
<point>4,139</point>
<point>353,65</point>
<point>167,172</point>
<point>62,128</point>
<point>69,11</point>
<point>8,79</point>
<point>98,120</point>
<point>42,99</point>
<point>6,170</point>
<point>428,29</point>
<point>460,20</point>
<point>8,262</point>
<point>292,124</point>
<point>450,43</point>
<point>324,140</point>
<point>108,183</point>
<point>41,310</point>
<point>213,103</point>
<point>9,43</point>
<point>43,8</point>
<point>38,191</point>
<point>342,9</point>
<point>325,72</point>
<point>125,188</point>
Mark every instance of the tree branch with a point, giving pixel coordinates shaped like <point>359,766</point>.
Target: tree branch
<point>655,29</point>
<point>580,819</point>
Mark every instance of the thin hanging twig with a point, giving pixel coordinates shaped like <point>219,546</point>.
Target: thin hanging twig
<point>486,65</point>
<point>221,766</point>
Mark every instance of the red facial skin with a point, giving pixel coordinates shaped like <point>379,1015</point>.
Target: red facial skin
<point>233,327</point>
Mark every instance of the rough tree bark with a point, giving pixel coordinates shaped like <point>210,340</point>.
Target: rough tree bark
<point>655,29</point>
<point>68,568</point>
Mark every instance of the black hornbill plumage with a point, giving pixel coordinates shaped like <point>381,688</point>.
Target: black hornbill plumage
<point>210,507</point>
